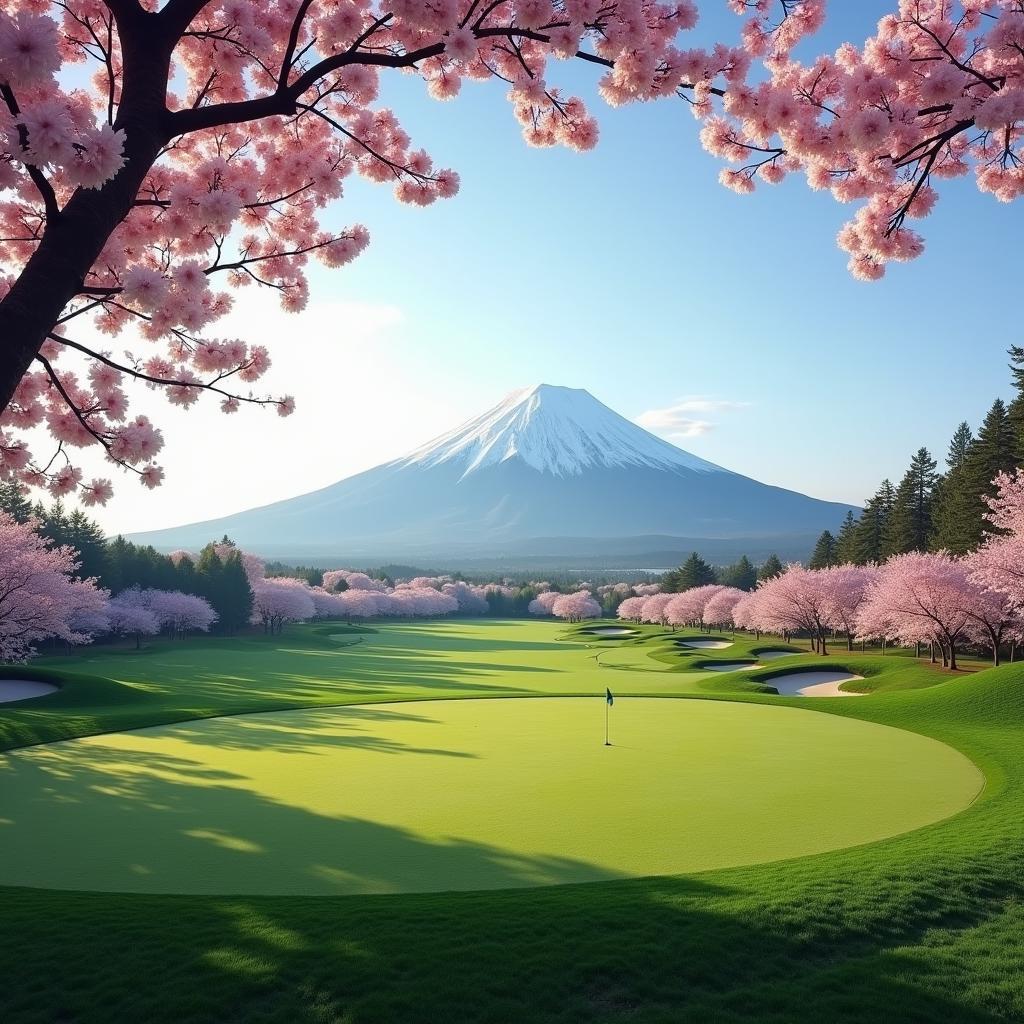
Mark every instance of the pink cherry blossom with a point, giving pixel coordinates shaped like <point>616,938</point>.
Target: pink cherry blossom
<point>40,597</point>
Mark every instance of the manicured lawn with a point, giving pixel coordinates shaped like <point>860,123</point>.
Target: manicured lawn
<point>923,926</point>
<point>465,794</point>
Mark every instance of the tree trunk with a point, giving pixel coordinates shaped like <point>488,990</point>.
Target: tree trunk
<point>74,237</point>
<point>952,656</point>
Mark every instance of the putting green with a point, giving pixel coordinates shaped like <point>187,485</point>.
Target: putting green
<point>461,794</point>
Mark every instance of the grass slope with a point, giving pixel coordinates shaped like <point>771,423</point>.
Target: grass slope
<point>921,927</point>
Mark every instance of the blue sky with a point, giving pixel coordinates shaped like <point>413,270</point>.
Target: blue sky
<point>630,272</point>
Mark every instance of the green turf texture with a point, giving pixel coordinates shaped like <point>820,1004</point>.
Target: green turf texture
<point>467,794</point>
<point>924,926</point>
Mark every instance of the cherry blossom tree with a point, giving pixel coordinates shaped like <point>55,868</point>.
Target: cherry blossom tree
<point>470,599</point>
<point>543,603</point>
<point>920,598</point>
<point>360,604</point>
<point>746,613</point>
<point>40,597</point>
<point>994,616</point>
<point>211,140</point>
<point>352,580</point>
<point>280,600</point>
<point>632,609</point>
<point>846,588</point>
<point>576,607</point>
<point>687,608</point>
<point>720,606</point>
<point>654,609</point>
<point>936,93</point>
<point>999,562</point>
<point>180,613</point>
<point>129,614</point>
<point>327,605</point>
<point>797,600</point>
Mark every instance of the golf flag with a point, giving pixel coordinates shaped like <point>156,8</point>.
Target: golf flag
<point>608,697</point>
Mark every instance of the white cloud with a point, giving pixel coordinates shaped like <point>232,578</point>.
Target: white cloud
<point>687,417</point>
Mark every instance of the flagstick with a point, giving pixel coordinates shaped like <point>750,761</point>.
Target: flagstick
<point>607,712</point>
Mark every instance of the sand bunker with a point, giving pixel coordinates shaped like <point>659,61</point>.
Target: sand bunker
<point>813,684</point>
<point>611,631</point>
<point>729,666</point>
<point>772,655</point>
<point>707,645</point>
<point>24,689</point>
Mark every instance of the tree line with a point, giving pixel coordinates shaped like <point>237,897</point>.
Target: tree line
<point>929,510</point>
<point>742,574</point>
<point>118,565</point>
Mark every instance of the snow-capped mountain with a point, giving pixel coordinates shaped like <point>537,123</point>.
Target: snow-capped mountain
<point>563,431</point>
<point>548,469</point>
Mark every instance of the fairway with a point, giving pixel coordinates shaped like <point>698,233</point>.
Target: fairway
<point>465,794</point>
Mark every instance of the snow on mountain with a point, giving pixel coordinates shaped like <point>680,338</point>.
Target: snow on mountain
<point>557,430</point>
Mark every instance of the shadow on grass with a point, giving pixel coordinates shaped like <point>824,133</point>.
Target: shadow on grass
<point>149,820</point>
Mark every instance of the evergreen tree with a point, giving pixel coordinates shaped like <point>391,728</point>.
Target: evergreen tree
<point>694,572</point>
<point>225,585</point>
<point>741,574</point>
<point>88,539</point>
<point>1015,410</point>
<point>959,447</point>
<point>910,525</point>
<point>950,501</point>
<point>14,502</point>
<point>846,550</point>
<point>871,535</point>
<point>960,522</point>
<point>770,568</point>
<point>824,554</point>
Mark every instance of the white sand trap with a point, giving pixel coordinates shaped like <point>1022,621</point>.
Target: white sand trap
<point>729,666</point>
<point>24,689</point>
<point>611,631</point>
<point>772,655</point>
<point>813,684</point>
<point>707,645</point>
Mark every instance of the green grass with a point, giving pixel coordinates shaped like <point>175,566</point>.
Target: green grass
<point>923,926</point>
<point>464,794</point>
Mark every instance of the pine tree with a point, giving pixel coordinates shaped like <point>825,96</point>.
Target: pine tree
<point>951,501</point>
<point>88,539</point>
<point>846,550</point>
<point>14,502</point>
<point>910,525</point>
<point>1015,410</point>
<point>871,536</point>
<point>694,572</point>
<point>224,583</point>
<point>741,574</point>
<point>770,568</point>
<point>824,554</point>
<point>960,523</point>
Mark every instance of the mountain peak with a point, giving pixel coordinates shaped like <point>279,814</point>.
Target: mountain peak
<point>556,430</point>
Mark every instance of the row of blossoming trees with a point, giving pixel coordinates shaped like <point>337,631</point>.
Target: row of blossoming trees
<point>935,599</point>
<point>42,597</point>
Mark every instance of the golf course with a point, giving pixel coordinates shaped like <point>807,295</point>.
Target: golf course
<point>323,825</point>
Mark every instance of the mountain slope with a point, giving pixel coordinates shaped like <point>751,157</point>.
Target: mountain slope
<point>546,462</point>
